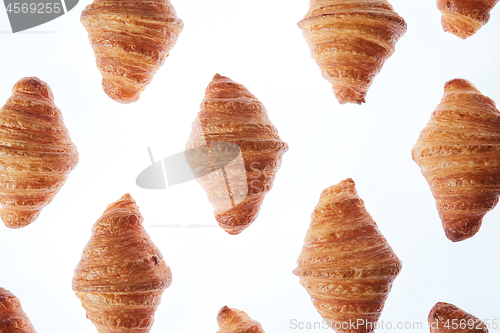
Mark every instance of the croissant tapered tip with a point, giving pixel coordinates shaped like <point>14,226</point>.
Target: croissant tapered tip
<point>33,86</point>
<point>463,228</point>
<point>459,84</point>
<point>442,314</point>
<point>223,314</point>
<point>18,219</point>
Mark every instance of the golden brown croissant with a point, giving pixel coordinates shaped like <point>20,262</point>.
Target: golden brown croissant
<point>12,317</point>
<point>448,318</point>
<point>346,264</point>
<point>459,155</point>
<point>350,40</point>
<point>464,18</point>
<point>230,113</point>
<point>131,39</point>
<point>122,275</point>
<point>232,320</point>
<point>36,152</point>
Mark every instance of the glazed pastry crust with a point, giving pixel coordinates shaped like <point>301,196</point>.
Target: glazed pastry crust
<point>232,320</point>
<point>230,113</point>
<point>458,153</point>
<point>36,152</point>
<point>464,18</point>
<point>346,264</point>
<point>131,39</point>
<point>447,318</point>
<point>121,275</point>
<point>12,317</point>
<point>350,40</point>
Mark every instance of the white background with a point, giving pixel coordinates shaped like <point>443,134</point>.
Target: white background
<point>256,43</point>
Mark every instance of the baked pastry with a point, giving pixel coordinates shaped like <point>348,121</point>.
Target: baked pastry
<point>231,114</point>
<point>12,317</point>
<point>464,18</point>
<point>459,155</point>
<point>131,39</point>
<point>350,40</point>
<point>346,264</point>
<point>121,275</point>
<point>36,152</point>
<point>447,318</point>
<point>231,320</point>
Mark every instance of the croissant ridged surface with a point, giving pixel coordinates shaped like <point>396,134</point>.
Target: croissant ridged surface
<point>464,18</point>
<point>36,152</point>
<point>350,40</point>
<point>230,113</point>
<point>232,320</point>
<point>459,155</point>
<point>447,318</point>
<point>346,264</point>
<point>131,39</point>
<point>12,317</point>
<point>121,275</point>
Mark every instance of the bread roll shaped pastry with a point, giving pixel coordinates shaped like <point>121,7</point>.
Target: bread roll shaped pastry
<point>464,18</point>
<point>458,153</point>
<point>229,113</point>
<point>232,320</point>
<point>121,275</point>
<point>447,318</point>
<point>12,317</point>
<point>350,40</point>
<point>131,39</point>
<point>36,152</point>
<point>346,264</point>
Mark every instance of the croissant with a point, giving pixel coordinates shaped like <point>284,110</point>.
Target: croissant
<point>232,320</point>
<point>464,18</point>
<point>36,152</point>
<point>448,318</point>
<point>350,40</point>
<point>230,113</point>
<point>131,39</point>
<point>459,155</point>
<point>121,275</point>
<point>12,317</point>
<point>346,264</point>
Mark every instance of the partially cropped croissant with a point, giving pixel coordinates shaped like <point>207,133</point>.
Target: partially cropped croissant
<point>232,320</point>
<point>459,155</point>
<point>464,18</point>
<point>350,40</point>
<point>447,318</point>
<point>36,152</point>
<point>12,317</point>
<point>121,275</point>
<point>131,39</point>
<point>346,264</point>
<point>230,113</point>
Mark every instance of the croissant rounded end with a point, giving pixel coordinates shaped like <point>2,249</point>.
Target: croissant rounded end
<point>224,313</point>
<point>459,25</point>
<point>18,220</point>
<point>33,86</point>
<point>459,84</point>
<point>346,95</point>
<point>463,229</point>
<point>345,187</point>
<point>121,94</point>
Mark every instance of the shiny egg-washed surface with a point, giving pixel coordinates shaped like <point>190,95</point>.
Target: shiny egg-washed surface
<point>350,40</point>
<point>36,152</point>
<point>346,264</point>
<point>459,155</point>
<point>121,275</point>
